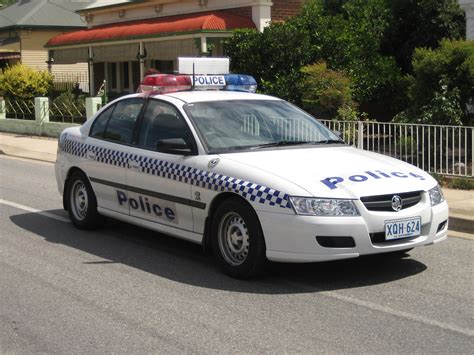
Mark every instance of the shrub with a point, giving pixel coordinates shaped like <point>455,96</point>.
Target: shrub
<point>461,183</point>
<point>21,82</point>
<point>442,84</point>
<point>68,99</point>
<point>325,91</point>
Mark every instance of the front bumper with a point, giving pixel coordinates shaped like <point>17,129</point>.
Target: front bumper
<point>292,238</point>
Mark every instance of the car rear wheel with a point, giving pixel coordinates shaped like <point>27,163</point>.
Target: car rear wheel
<point>82,203</point>
<point>237,240</point>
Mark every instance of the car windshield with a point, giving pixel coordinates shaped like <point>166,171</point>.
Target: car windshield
<point>227,126</point>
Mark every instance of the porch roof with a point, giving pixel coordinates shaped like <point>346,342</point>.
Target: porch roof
<point>214,21</point>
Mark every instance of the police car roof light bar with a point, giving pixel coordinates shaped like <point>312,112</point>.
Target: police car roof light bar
<point>167,83</point>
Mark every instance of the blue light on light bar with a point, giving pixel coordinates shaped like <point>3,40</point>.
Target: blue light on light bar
<point>239,82</point>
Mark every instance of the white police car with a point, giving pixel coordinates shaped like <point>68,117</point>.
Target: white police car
<point>250,176</point>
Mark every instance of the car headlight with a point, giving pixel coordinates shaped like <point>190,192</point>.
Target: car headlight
<point>323,207</point>
<point>436,195</point>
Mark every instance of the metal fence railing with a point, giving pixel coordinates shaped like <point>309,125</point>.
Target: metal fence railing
<point>70,81</point>
<point>446,150</point>
<point>67,113</point>
<point>20,109</point>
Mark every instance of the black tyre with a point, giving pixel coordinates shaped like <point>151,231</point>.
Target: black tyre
<point>82,203</point>
<point>237,240</point>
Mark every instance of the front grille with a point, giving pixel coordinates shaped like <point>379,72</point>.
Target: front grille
<point>384,202</point>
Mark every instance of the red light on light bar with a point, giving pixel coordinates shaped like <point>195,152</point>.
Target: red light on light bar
<point>165,83</point>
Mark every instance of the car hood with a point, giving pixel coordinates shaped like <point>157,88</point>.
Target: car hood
<point>336,171</point>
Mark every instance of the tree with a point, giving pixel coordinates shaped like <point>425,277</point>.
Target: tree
<point>421,23</point>
<point>273,57</point>
<point>442,84</point>
<point>346,35</point>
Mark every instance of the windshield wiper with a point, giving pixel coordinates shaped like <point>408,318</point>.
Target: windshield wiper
<point>330,141</point>
<point>282,143</point>
<point>287,143</point>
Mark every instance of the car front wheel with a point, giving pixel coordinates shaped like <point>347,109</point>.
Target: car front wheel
<point>237,241</point>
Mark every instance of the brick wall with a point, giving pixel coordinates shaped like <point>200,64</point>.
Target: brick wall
<point>282,9</point>
<point>240,11</point>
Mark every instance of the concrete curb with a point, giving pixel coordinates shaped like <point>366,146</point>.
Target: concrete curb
<point>27,154</point>
<point>461,223</point>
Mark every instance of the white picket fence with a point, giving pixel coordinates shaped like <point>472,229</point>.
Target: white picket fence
<point>444,150</point>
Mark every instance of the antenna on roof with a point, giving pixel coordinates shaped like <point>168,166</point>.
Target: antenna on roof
<point>194,74</point>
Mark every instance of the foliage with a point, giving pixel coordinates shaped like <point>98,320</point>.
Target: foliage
<point>348,113</point>
<point>354,47</point>
<point>461,183</point>
<point>274,57</point>
<point>4,3</point>
<point>69,99</point>
<point>442,84</point>
<point>421,24</point>
<point>325,91</point>
<point>348,41</point>
<point>21,82</point>
<point>458,183</point>
<point>371,41</point>
<point>405,144</point>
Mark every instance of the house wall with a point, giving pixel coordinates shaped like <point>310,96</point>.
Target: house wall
<point>283,9</point>
<point>34,55</point>
<point>152,9</point>
<point>240,11</point>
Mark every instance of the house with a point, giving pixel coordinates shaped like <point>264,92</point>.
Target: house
<point>125,38</point>
<point>468,7</point>
<point>27,25</point>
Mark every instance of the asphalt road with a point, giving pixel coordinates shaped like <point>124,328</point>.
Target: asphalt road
<point>123,289</point>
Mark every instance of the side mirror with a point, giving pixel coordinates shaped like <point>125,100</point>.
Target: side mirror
<point>173,146</point>
<point>339,134</point>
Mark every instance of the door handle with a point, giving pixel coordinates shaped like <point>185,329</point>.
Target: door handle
<point>90,155</point>
<point>133,164</point>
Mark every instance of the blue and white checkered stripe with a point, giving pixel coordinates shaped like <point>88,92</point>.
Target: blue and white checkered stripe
<point>209,180</point>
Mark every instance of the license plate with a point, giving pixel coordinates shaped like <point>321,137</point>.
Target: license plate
<point>405,228</point>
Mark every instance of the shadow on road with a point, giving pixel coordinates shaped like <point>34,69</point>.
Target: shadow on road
<point>185,262</point>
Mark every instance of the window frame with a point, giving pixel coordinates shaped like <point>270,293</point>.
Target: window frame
<point>135,125</point>
<point>141,120</point>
